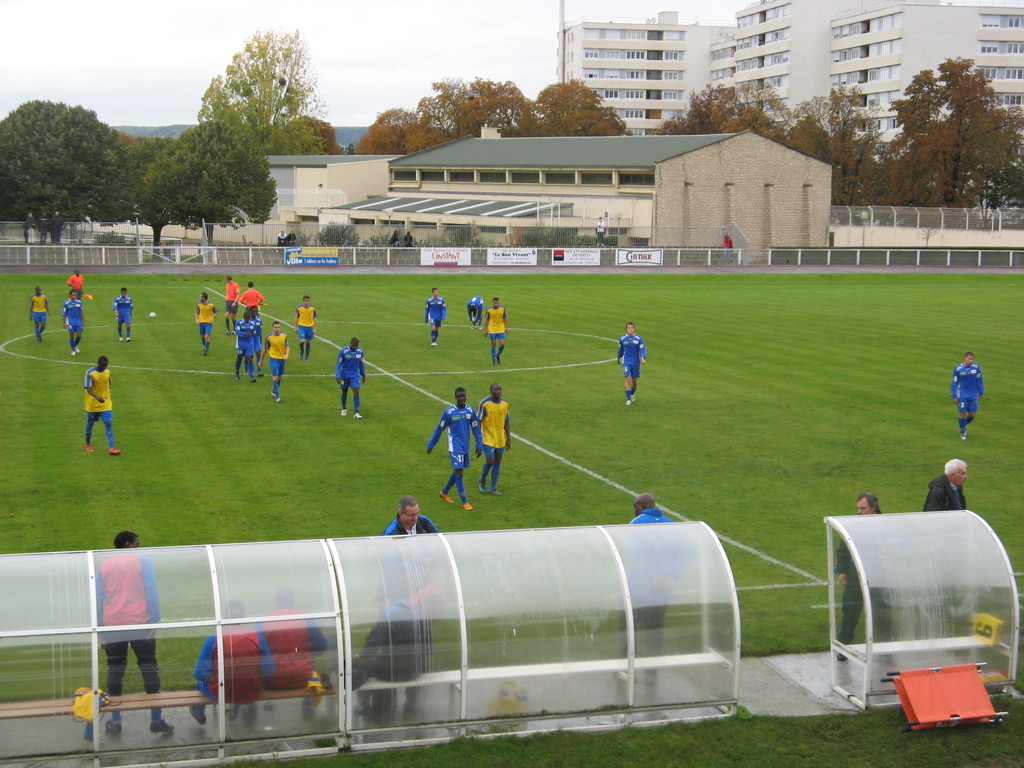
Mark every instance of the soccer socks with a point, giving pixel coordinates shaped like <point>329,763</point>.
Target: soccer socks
<point>120,328</point>
<point>276,389</point>
<point>355,401</point>
<point>110,435</point>
<point>449,484</point>
<point>460,486</point>
<point>238,365</point>
<point>483,474</point>
<point>206,346</point>
<point>344,399</point>
<point>433,336</point>
<point>629,394</point>
<point>495,471</point>
<point>963,424</point>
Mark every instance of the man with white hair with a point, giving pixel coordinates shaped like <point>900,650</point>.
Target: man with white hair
<point>946,492</point>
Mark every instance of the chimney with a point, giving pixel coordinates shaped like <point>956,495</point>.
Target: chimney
<point>487,132</point>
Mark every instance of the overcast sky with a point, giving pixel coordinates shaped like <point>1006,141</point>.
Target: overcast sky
<point>141,62</point>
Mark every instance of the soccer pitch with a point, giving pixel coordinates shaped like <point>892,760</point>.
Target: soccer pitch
<point>768,402</point>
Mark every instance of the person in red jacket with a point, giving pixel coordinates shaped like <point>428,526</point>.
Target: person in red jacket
<point>126,593</point>
<point>247,663</point>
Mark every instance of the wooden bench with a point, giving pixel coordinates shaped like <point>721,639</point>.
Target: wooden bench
<point>132,701</point>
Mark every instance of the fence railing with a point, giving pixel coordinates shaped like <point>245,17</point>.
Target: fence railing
<point>962,219</point>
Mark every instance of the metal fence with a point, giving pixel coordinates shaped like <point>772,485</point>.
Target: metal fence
<point>961,219</point>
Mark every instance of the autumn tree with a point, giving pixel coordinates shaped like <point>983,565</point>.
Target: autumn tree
<point>267,88</point>
<point>956,138</point>
<point>327,139</point>
<point>721,109</point>
<point>841,131</point>
<point>57,157</point>
<point>458,109</point>
<point>571,109</point>
<point>392,133</point>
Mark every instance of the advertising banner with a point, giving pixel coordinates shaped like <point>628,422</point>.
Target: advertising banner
<point>576,257</point>
<point>446,257</point>
<point>638,256</point>
<point>512,257</point>
<point>308,257</point>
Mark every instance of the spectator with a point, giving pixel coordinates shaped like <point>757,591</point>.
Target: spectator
<point>409,521</point>
<point>30,229</point>
<point>946,492</point>
<point>43,225</point>
<point>56,227</point>
<point>282,239</point>
<point>849,579</point>
<point>408,241</point>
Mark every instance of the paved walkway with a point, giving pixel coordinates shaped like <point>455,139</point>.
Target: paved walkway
<point>797,685</point>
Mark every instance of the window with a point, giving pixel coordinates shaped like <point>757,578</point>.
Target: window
<point>629,94</point>
<point>1013,22</point>
<point>671,95</point>
<point>633,34</point>
<point>672,55</point>
<point>461,176</point>
<point>1015,47</point>
<point>676,34</point>
<point>745,42</point>
<point>635,74</point>
<point>747,64</point>
<point>1013,73</point>
<point>632,114</point>
<point>654,34</point>
<point>493,177</point>
<point>779,81</point>
<point>724,53</point>
<point>1012,99</point>
<point>723,74</point>
<point>778,58</point>
<point>777,35</point>
<point>610,94</point>
<point>887,22</point>
<point>432,175</point>
<point>990,72</point>
<point>397,175</point>
<point>889,46</point>
<point>596,178</point>
<point>526,177</point>
<point>590,53</point>
<point>989,47</point>
<point>559,177</point>
<point>670,75</point>
<point>636,179</point>
<point>636,54</point>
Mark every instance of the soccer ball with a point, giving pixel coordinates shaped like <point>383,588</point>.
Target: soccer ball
<point>152,314</point>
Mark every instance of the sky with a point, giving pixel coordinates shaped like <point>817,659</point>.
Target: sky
<point>147,63</point>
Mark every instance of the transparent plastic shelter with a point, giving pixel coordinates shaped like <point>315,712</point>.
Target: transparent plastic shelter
<point>923,590</point>
<point>418,639</point>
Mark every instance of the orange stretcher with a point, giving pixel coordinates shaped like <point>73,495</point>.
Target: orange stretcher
<point>943,697</point>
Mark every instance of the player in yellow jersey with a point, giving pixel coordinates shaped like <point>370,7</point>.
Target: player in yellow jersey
<point>305,327</point>
<point>495,328</point>
<point>98,405</point>
<point>205,312</point>
<point>38,311</point>
<point>495,424</point>
<point>277,347</point>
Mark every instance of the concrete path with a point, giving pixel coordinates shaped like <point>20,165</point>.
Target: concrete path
<point>796,685</point>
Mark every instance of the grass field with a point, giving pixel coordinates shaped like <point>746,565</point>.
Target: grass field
<point>768,403</point>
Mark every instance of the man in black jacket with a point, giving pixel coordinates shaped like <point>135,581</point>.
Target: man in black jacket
<point>946,492</point>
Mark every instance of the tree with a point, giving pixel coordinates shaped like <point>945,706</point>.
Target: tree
<point>461,109</point>
<point>267,87</point>
<point>57,157</point>
<point>392,133</point>
<point>152,202</point>
<point>838,130</point>
<point>214,173</point>
<point>325,136</point>
<point>956,138</point>
<point>571,109</point>
<point>718,109</point>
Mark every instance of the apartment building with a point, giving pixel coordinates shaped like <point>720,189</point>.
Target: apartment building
<point>643,69</point>
<point>804,48</point>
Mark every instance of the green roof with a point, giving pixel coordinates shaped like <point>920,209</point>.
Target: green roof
<point>603,152</point>
<point>320,161</point>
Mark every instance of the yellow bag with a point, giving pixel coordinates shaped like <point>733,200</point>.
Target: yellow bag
<point>315,687</point>
<point>511,700</point>
<point>81,703</point>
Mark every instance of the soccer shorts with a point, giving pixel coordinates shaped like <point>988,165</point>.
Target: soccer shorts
<point>74,327</point>
<point>305,332</point>
<point>474,311</point>
<point>231,307</point>
<point>248,350</point>
<point>490,450</point>
<point>276,367</point>
<point>124,317</point>
<point>435,322</point>
<point>91,417</point>
<point>496,336</point>
<point>205,328</point>
<point>459,460</point>
<point>38,317</point>
<point>631,371</point>
<point>352,382</point>
<point>967,405</point>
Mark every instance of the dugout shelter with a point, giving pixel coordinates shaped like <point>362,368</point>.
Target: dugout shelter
<point>426,638</point>
<point>930,589</point>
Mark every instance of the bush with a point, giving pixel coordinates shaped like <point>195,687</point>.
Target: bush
<point>337,234</point>
<point>561,236</point>
<point>110,238</point>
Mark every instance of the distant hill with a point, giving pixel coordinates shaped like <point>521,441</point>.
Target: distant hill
<point>345,134</point>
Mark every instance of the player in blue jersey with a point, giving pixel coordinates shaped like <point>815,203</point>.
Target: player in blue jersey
<point>475,310</point>
<point>434,314</point>
<point>966,390</point>
<point>632,354</point>
<point>350,372</point>
<point>39,311</point>
<point>74,319</point>
<point>459,420</point>
<point>123,312</point>
<point>246,344</point>
<point>257,322</point>
<point>495,425</point>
